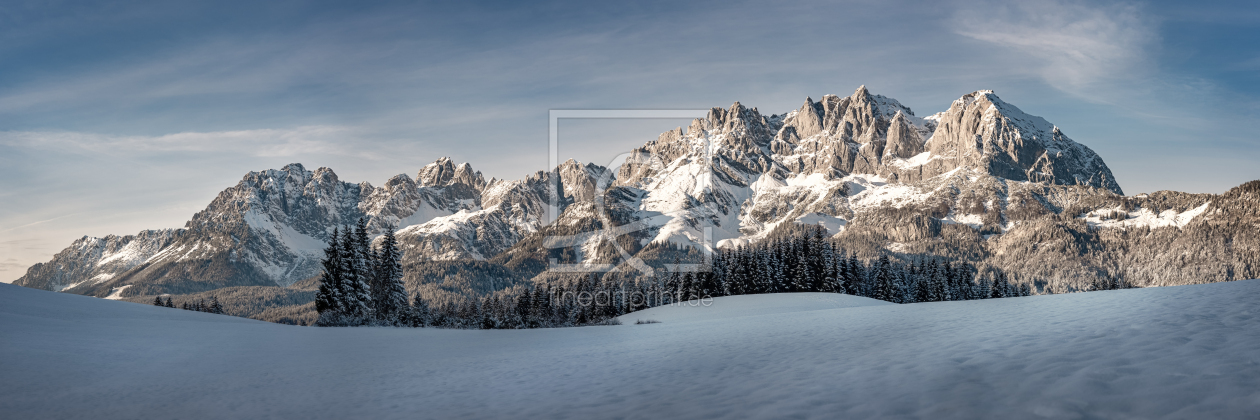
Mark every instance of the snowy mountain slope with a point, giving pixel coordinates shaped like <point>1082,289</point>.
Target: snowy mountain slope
<point>1175,352</point>
<point>95,260</point>
<point>509,211</point>
<point>269,229</point>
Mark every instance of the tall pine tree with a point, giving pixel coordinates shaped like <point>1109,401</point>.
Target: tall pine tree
<point>884,287</point>
<point>389,293</point>
<point>356,269</point>
<point>329,300</point>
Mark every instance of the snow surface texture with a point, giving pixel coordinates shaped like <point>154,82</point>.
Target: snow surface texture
<point>727,307</point>
<point>1175,352</point>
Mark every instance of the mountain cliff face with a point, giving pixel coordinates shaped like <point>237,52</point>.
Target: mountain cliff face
<point>981,131</point>
<point>976,176</point>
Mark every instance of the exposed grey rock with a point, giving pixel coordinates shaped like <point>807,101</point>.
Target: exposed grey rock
<point>981,131</point>
<point>903,138</point>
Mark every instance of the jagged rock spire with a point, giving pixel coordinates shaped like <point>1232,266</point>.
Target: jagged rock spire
<point>444,172</point>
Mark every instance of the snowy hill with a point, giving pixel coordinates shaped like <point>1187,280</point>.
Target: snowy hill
<point>727,307</point>
<point>1174,352</point>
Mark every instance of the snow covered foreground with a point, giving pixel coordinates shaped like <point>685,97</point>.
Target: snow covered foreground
<point>728,307</point>
<point>1175,352</point>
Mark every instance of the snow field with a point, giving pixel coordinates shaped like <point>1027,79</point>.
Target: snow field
<point>728,307</point>
<point>1174,352</point>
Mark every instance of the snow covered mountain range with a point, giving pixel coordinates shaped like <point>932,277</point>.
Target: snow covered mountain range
<point>981,180</point>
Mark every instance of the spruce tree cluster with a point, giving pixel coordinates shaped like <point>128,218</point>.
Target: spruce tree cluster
<point>157,301</point>
<point>586,301</point>
<point>213,307</point>
<point>809,263</point>
<point>361,285</point>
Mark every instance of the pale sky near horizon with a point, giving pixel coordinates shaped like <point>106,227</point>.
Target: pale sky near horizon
<point>118,117</point>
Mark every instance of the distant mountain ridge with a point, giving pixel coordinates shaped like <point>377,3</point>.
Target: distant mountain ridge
<point>865,166</point>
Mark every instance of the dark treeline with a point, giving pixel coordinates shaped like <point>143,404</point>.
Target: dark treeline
<point>809,263</point>
<point>802,262</point>
<point>213,307</point>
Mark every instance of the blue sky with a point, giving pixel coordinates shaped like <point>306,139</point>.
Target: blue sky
<point>120,116</point>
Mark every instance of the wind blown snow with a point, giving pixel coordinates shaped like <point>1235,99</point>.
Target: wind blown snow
<point>1173,352</point>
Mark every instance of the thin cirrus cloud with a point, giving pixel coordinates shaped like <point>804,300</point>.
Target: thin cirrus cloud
<point>1072,46</point>
<point>306,140</point>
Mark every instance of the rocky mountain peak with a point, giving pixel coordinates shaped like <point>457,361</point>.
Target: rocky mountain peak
<point>984,132</point>
<point>444,172</point>
<point>862,117</point>
<point>970,98</point>
<point>464,174</point>
<point>808,120</point>
<point>400,182</point>
<point>904,139</point>
<point>325,175</point>
<point>738,123</point>
<point>579,181</point>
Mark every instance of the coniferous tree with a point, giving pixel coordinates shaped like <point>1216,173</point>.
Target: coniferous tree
<point>673,284</point>
<point>215,307</point>
<point>940,283</point>
<point>858,276</point>
<point>390,294</point>
<point>967,281</point>
<point>984,288</point>
<point>329,300</point>
<point>922,284</point>
<point>525,307</point>
<point>688,288</point>
<point>883,280</point>
<point>420,315</point>
<point>803,280</point>
<point>363,248</point>
<point>541,307</point>
<point>845,275</point>
<point>356,294</point>
<point>708,283</point>
<point>902,287</point>
<point>169,304</point>
<point>484,309</point>
<point>157,301</point>
<point>952,285</point>
<point>999,288</point>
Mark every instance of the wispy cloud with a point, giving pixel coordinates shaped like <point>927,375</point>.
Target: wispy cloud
<point>18,242</point>
<point>1072,46</point>
<point>12,266</point>
<point>298,141</point>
